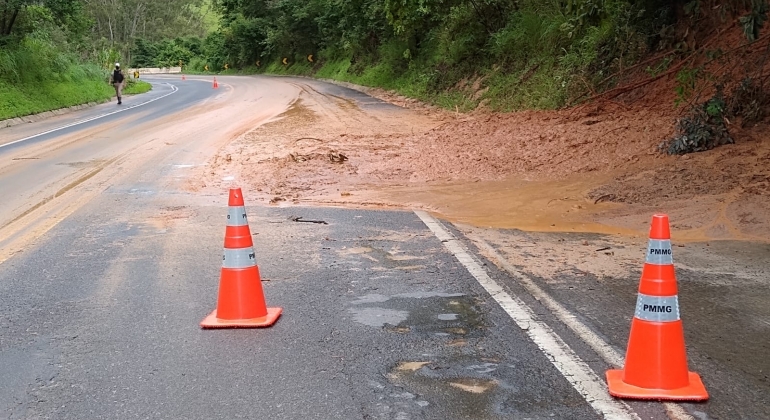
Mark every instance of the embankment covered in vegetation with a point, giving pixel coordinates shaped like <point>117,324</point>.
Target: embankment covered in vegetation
<point>58,53</point>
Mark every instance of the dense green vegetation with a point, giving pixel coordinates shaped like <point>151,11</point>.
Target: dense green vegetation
<point>37,71</point>
<point>509,53</point>
<point>525,53</point>
<point>58,53</point>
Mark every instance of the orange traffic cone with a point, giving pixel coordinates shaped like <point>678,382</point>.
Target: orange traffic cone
<point>183,78</point>
<point>241,301</point>
<point>656,360</point>
<point>216,85</point>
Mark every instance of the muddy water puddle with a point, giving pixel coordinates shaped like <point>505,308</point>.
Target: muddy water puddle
<point>554,206</point>
<point>516,203</point>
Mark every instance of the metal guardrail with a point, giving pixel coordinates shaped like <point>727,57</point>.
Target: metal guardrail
<point>156,70</point>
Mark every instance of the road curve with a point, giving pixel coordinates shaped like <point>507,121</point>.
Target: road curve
<point>48,167</point>
<point>108,263</point>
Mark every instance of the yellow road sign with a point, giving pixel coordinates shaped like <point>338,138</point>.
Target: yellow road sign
<point>259,63</point>
<point>285,61</point>
<point>227,66</point>
<point>310,58</point>
<point>206,67</point>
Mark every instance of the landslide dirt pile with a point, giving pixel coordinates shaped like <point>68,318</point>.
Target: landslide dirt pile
<point>542,144</point>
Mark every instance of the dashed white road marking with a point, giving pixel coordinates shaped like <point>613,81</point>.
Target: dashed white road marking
<point>174,89</point>
<point>574,370</point>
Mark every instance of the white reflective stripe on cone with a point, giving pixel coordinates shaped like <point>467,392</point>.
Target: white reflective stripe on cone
<point>657,308</point>
<point>659,252</point>
<point>239,258</point>
<point>236,216</point>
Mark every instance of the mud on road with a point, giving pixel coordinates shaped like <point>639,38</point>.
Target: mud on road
<point>521,181</point>
<point>596,169</point>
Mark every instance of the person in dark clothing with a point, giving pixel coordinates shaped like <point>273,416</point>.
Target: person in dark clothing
<point>117,81</point>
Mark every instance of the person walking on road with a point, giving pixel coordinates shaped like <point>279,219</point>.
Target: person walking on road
<point>117,81</point>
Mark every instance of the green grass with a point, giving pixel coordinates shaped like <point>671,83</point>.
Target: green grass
<point>19,100</point>
<point>537,87</point>
<point>136,87</point>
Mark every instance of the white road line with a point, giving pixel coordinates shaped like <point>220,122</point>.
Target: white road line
<point>574,370</point>
<point>597,344</point>
<point>174,89</point>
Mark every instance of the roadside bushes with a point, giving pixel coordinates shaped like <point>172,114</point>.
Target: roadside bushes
<point>705,127</point>
<point>36,75</point>
<point>702,129</point>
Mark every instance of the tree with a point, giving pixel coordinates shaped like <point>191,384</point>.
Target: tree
<point>121,22</point>
<point>9,13</point>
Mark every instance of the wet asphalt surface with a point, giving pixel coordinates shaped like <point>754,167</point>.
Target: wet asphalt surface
<point>101,321</point>
<point>726,318</point>
<point>99,318</point>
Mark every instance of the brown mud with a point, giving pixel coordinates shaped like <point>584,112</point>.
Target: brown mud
<point>593,169</point>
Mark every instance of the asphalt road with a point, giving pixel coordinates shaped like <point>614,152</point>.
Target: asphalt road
<point>108,264</point>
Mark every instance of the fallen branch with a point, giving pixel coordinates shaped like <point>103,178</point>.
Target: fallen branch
<point>614,129</point>
<point>610,196</point>
<point>614,93</point>
<point>301,220</point>
<point>696,98</point>
<point>626,70</point>
<point>308,138</point>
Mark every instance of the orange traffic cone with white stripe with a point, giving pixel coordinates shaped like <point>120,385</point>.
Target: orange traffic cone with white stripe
<point>183,78</point>
<point>216,85</point>
<point>241,302</point>
<point>656,359</point>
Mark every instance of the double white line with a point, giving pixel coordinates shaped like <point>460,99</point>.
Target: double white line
<point>569,364</point>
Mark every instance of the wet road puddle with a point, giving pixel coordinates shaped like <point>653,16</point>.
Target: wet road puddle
<point>455,370</point>
<point>398,313</point>
<point>410,366</point>
<point>455,374</point>
<point>386,259</point>
<point>460,389</point>
<point>451,315</point>
<point>379,317</point>
<point>474,386</point>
